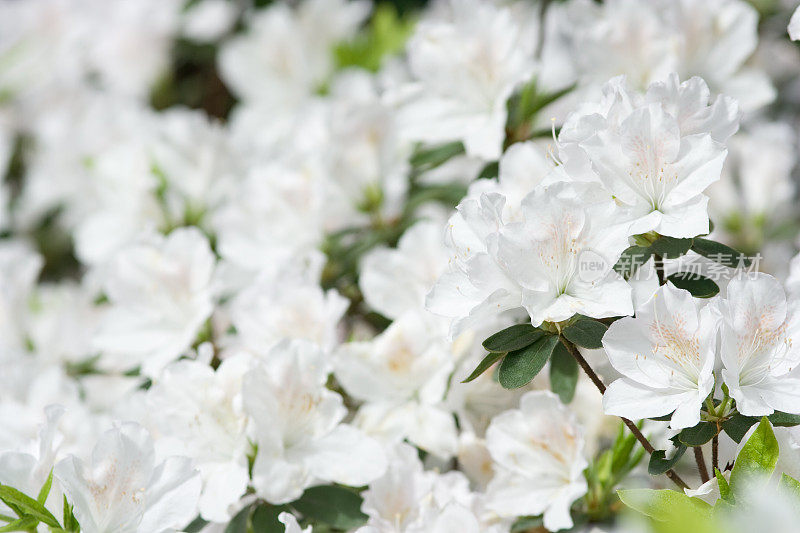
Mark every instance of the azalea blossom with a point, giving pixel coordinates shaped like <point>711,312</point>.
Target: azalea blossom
<point>476,287</point>
<point>124,490</point>
<point>656,155</point>
<point>197,412</point>
<point>760,361</point>
<point>538,452</point>
<point>160,295</point>
<point>395,281</point>
<point>481,45</point>
<point>409,499</point>
<point>402,375</point>
<point>298,427</point>
<point>288,304</point>
<point>666,357</point>
<point>550,253</point>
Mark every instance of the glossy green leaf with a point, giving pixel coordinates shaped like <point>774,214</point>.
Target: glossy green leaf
<point>724,489</point>
<point>28,505</point>
<point>513,338</point>
<point>699,286</point>
<point>336,506</point>
<point>265,519</point>
<point>586,332</point>
<point>662,505</point>
<point>781,419</point>
<point>631,260</point>
<point>521,366</point>
<point>670,247</point>
<point>758,456</point>
<point>738,425</point>
<point>563,373</point>
<point>698,435</point>
<point>659,463</point>
<point>484,365</point>
<point>719,253</point>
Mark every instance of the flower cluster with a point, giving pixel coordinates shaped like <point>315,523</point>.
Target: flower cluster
<point>410,267</point>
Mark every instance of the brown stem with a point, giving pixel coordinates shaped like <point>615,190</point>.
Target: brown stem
<point>671,474</point>
<point>715,453</point>
<point>701,463</point>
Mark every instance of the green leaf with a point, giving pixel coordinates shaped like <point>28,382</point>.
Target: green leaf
<point>386,35</point>
<point>698,435</point>
<point>45,490</point>
<point>336,506</point>
<point>484,365</point>
<point>490,170</point>
<point>70,523</point>
<point>430,158</point>
<point>521,366</point>
<point>719,253</point>
<point>621,451</point>
<point>670,247</point>
<point>724,489</point>
<point>738,425</point>
<point>586,332</point>
<point>662,505</point>
<point>563,373</point>
<point>659,462</point>
<point>790,485</point>
<point>758,456</point>
<point>699,286</point>
<point>195,526</point>
<point>513,338</point>
<point>26,523</point>
<point>631,259</point>
<point>781,419</point>
<point>265,519</point>
<point>14,498</point>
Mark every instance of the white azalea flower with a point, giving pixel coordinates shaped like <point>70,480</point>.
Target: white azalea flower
<point>475,288</point>
<point>549,254</point>
<point>395,281</point>
<point>666,357</point>
<point>760,361</point>
<point>28,472</point>
<point>299,433</point>
<point>538,451</point>
<point>401,375</point>
<point>369,159</point>
<point>647,162</point>
<point>160,296</point>
<point>288,305</point>
<point>275,214</point>
<point>466,63</point>
<point>197,412</point>
<point>285,56</point>
<point>194,158</point>
<point>645,41</point>
<point>408,499</point>
<point>123,490</point>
